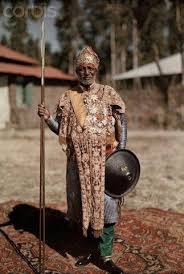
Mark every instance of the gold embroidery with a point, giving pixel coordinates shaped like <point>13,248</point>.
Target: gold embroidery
<point>91,110</point>
<point>78,106</point>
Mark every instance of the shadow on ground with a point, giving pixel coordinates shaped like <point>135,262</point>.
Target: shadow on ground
<point>59,234</point>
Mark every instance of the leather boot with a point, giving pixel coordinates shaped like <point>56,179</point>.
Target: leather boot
<point>111,267</point>
<point>84,260</point>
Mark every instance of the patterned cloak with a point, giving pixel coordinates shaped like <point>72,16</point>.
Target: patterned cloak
<point>87,128</point>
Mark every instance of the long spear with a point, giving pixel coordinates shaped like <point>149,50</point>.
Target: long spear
<point>42,162</point>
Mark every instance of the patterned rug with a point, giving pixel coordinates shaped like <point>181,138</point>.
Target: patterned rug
<point>148,241</point>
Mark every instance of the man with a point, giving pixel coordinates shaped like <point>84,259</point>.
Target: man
<point>90,121</point>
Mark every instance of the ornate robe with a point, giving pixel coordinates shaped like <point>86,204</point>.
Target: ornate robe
<point>88,130</point>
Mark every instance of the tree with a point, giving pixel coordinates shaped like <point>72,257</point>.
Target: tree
<point>32,48</point>
<point>178,6</point>
<point>67,24</point>
<point>107,33</point>
<point>4,40</point>
<point>118,19</point>
<point>16,25</point>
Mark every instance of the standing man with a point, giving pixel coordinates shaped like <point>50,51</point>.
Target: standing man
<point>90,121</point>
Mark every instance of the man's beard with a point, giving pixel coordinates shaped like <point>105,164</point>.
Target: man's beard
<point>87,81</point>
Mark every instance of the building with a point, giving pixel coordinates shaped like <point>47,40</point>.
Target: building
<point>20,88</point>
<point>170,66</point>
<point>146,102</point>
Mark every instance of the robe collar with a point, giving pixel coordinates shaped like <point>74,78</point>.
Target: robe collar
<point>92,87</point>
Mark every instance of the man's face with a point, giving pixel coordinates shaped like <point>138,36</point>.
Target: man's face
<point>86,74</point>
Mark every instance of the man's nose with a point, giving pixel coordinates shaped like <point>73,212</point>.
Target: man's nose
<point>86,71</point>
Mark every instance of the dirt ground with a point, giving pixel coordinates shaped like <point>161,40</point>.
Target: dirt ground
<point>161,155</point>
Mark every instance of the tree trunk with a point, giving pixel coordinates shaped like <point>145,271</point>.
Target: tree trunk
<point>123,49</point>
<point>113,52</point>
<point>157,59</point>
<point>182,66</point>
<point>74,34</point>
<point>70,62</point>
<point>164,86</point>
<point>135,43</point>
<point>180,35</point>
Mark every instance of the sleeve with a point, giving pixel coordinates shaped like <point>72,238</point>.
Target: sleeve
<point>123,140</point>
<point>116,101</point>
<point>55,122</point>
<point>120,129</point>
<point>118,111</point>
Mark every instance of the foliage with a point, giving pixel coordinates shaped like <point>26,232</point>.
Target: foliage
<point>18,37</point>
<point>159,29</point>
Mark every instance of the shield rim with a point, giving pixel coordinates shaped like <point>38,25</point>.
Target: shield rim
<point>132,186</point>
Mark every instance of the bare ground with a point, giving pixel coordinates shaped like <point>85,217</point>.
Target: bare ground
<point>161,154</point>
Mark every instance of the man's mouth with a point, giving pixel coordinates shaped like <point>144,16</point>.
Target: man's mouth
<point>87,80</point>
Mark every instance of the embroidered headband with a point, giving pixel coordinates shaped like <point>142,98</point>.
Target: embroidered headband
<point>87,56</point>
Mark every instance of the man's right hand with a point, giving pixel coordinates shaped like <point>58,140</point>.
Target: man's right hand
<point>42,111</point>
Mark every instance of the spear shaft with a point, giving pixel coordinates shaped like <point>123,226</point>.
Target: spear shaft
<point>42,163</point>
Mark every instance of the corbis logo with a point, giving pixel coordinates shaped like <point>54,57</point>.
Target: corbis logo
<point>36,11</point>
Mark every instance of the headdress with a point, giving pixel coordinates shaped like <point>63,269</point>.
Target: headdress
<point>87,56</point>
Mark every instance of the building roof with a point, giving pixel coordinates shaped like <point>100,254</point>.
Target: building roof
<point>35,71</point>
<point>169,65</point>
<point>16,56</point>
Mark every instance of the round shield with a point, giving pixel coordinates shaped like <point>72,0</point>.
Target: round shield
<point>122,171</point>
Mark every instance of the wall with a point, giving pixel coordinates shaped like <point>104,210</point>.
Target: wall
<point>4,106</point>
<point>145,107</point>
<point>26,116</point>
<point>176,107</point>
